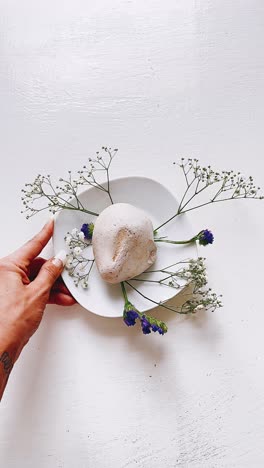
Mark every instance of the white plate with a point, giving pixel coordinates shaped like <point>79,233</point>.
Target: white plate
<point>106,299</point>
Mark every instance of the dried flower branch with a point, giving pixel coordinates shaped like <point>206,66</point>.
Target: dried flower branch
<point>148,323</point>
<point>188,272</point>
<point>78,266</point>
<point>224,185</point>
<point>204,237</point>
<point>43,194</point>
<point>88,175</point>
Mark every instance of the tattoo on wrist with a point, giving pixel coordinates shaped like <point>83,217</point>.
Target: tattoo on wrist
<point>7,362</point>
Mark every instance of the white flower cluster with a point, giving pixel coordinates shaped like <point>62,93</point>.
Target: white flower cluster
<point>45,194</point>
<point>232,182</point>
<point>178,276</point>
<point>195,273</point>
<point>78,265</point>
<point>220,186</point>
<point>202,299</point>
<point>186,272</point>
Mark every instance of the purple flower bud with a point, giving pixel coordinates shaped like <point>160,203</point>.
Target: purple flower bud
<point>205,237</point>
<point>87,229</point>
<point>145,325</point>
<point>130,317</point>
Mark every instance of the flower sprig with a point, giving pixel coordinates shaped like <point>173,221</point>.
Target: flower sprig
<point>88,174</point>
<point>78,266</point>
<point>179,274</point>
<point>76,240</point>
<point>43,194</point>
<point>205,300</point>
<point>87,230</point>
<point>204,237</point>
<point>221,186</point>
<point>148,323</point>
<point>188,272</point>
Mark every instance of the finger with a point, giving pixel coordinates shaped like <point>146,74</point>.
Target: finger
<point>49,273</point>
<point>34,246</point>
<point>61,299</point>
<point>33,270</point>
<point>35,266</point>
<point>59,286</point>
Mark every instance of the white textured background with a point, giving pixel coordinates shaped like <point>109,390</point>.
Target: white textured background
<point>157,79</point>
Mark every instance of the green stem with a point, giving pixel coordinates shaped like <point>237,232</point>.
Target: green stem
<point>160,304</point>
<point>193,239</point>
<point>80,209</point>
<point>168,220</point>
<point>204,204</point>
<point>108,186</point>
<point>122,284</point>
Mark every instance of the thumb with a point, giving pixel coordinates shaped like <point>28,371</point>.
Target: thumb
<point>49,272</point>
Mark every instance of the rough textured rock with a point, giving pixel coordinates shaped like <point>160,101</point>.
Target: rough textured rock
<point>123,243</point>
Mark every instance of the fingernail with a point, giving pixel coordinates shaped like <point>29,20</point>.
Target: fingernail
<point>51,220</point>
<point>60,258</point>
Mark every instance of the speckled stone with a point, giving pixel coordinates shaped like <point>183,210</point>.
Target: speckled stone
<point>123,242</point>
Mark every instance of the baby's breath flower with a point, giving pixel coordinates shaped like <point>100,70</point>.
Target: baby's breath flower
<point>44,194</point>
<point>220,186</point>
<point>202,300</point>
<point>82,265</point>
<point>198,308</point>
<point>78,265</point>
<point>68,240</point>
<point>77,251</point>
<point>84,283</point>
<point>189,272</point>
<point>69,262</point>
<point>81,235</point>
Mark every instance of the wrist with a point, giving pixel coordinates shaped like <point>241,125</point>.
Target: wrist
<point>10,343</point>
<point>10,349</point>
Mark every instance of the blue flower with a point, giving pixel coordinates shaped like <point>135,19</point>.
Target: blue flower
<point>148,323</point>
<point>130,317</point>
<point>87,229</point>
<point>145,325</point>
<point>156,328</point>
<point>205,237</point>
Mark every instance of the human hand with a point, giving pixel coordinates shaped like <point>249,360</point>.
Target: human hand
<point>27,284</point>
